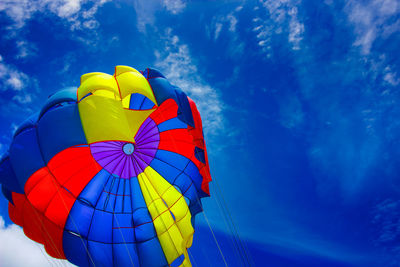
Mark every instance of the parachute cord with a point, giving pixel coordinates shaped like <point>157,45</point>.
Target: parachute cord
<point>130,257</point>
<point>161,218</point>
<point>51,263</point>
<point>215,239</point>
<point>233,227</point>
<point>192,258</point>
<point>198,199</point>
<point>232,238</point>
<point>120,228</point>
<point>55,182</point>
<point>42,224</point>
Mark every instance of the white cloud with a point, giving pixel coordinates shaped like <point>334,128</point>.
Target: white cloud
<point>17,81</point>
<point>281,18</point>
<point>176,63</point>
<point>21,11</point>
<point>78,17</point>
<point>11,78</point>
<point>373,19</point>
<point>23,99</point>
<point>146,10</point>
<point>174,6</point>
<point>227,24</point>
<point>16,250</point>
<point>391,77</point>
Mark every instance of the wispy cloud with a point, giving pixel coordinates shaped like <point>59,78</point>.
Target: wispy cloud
<point>280,17</point>
<point>16,250</point>
<point>71,10</point>
<point>146,10</point>
<point>78,15</point>
<point>174,6</point>
<point>386,222</point>
<point>11,78</point>
<point>373,19</point>
<point>176,63</point>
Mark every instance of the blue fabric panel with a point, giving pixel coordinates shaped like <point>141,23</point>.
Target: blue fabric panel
<point>119,204</point>
<point>29,123</point>
<point>162,89</point>
<point>7,176</point>
<point>121,187</point>
<point>199,154</point>
<point>111,191</point>
<point>7,193</point>
<point>127,204</point>
<point>178,261</point>
<point>151,254</point>
<point>93,190</point>
<point>25,155</point>
<point>173,159</point>
<point>101,253</point>
<point>152,73</point>
<point>193,172</point>
<point>102,201</point>
<point>195,207</point>
<point>137,196</point>
<point>59,129</point>
<point>168,172</point>
<point>145,73</point>
<point>100,229</point>
<point>127,197</point>
<point>136,101</point>
<point>75,249</point>
<point>114,186</point>
<point>79,219</point>
<point>123,228</point>
<point>144,228</point>
<point>125,255</point>
<point>123,235</point>
<point>184,110</point>
<point>170,124</point>
<point>183,181</point>
<point>65,95</point>
<point>110,204</point>
<point>147,104</point>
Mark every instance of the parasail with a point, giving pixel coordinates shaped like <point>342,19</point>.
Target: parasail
<point>111,173</point>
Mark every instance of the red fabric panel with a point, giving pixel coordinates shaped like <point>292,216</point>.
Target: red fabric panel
<point>60,207</point>
<point>197,133</point>
<point>15,211</point>
<point>35,179</point>
<point>76,183</point>
<point>69,162</point>
<point>53,242</point>
<point>44,211</point>
<point>32,223</point>
<point>167,110</point>
<point>43,192</point>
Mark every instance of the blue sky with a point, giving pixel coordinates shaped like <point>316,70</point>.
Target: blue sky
<point>299,99</point>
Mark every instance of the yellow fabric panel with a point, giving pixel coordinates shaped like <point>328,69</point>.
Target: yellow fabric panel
<point>104,119</point>
<point>135,118</point>
<point>171,243</point>
<point>122,69</point>
<point>134,82</point>
<point>126,101</point>
<point>92,82</point>
<point>162,198</point>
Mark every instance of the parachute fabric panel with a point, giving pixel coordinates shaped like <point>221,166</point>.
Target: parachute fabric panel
<point>110,174</point>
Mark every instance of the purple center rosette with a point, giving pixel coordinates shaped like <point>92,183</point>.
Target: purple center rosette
<point>126,159</point>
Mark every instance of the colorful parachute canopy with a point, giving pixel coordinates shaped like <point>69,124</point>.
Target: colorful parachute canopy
<point>110,174</point>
